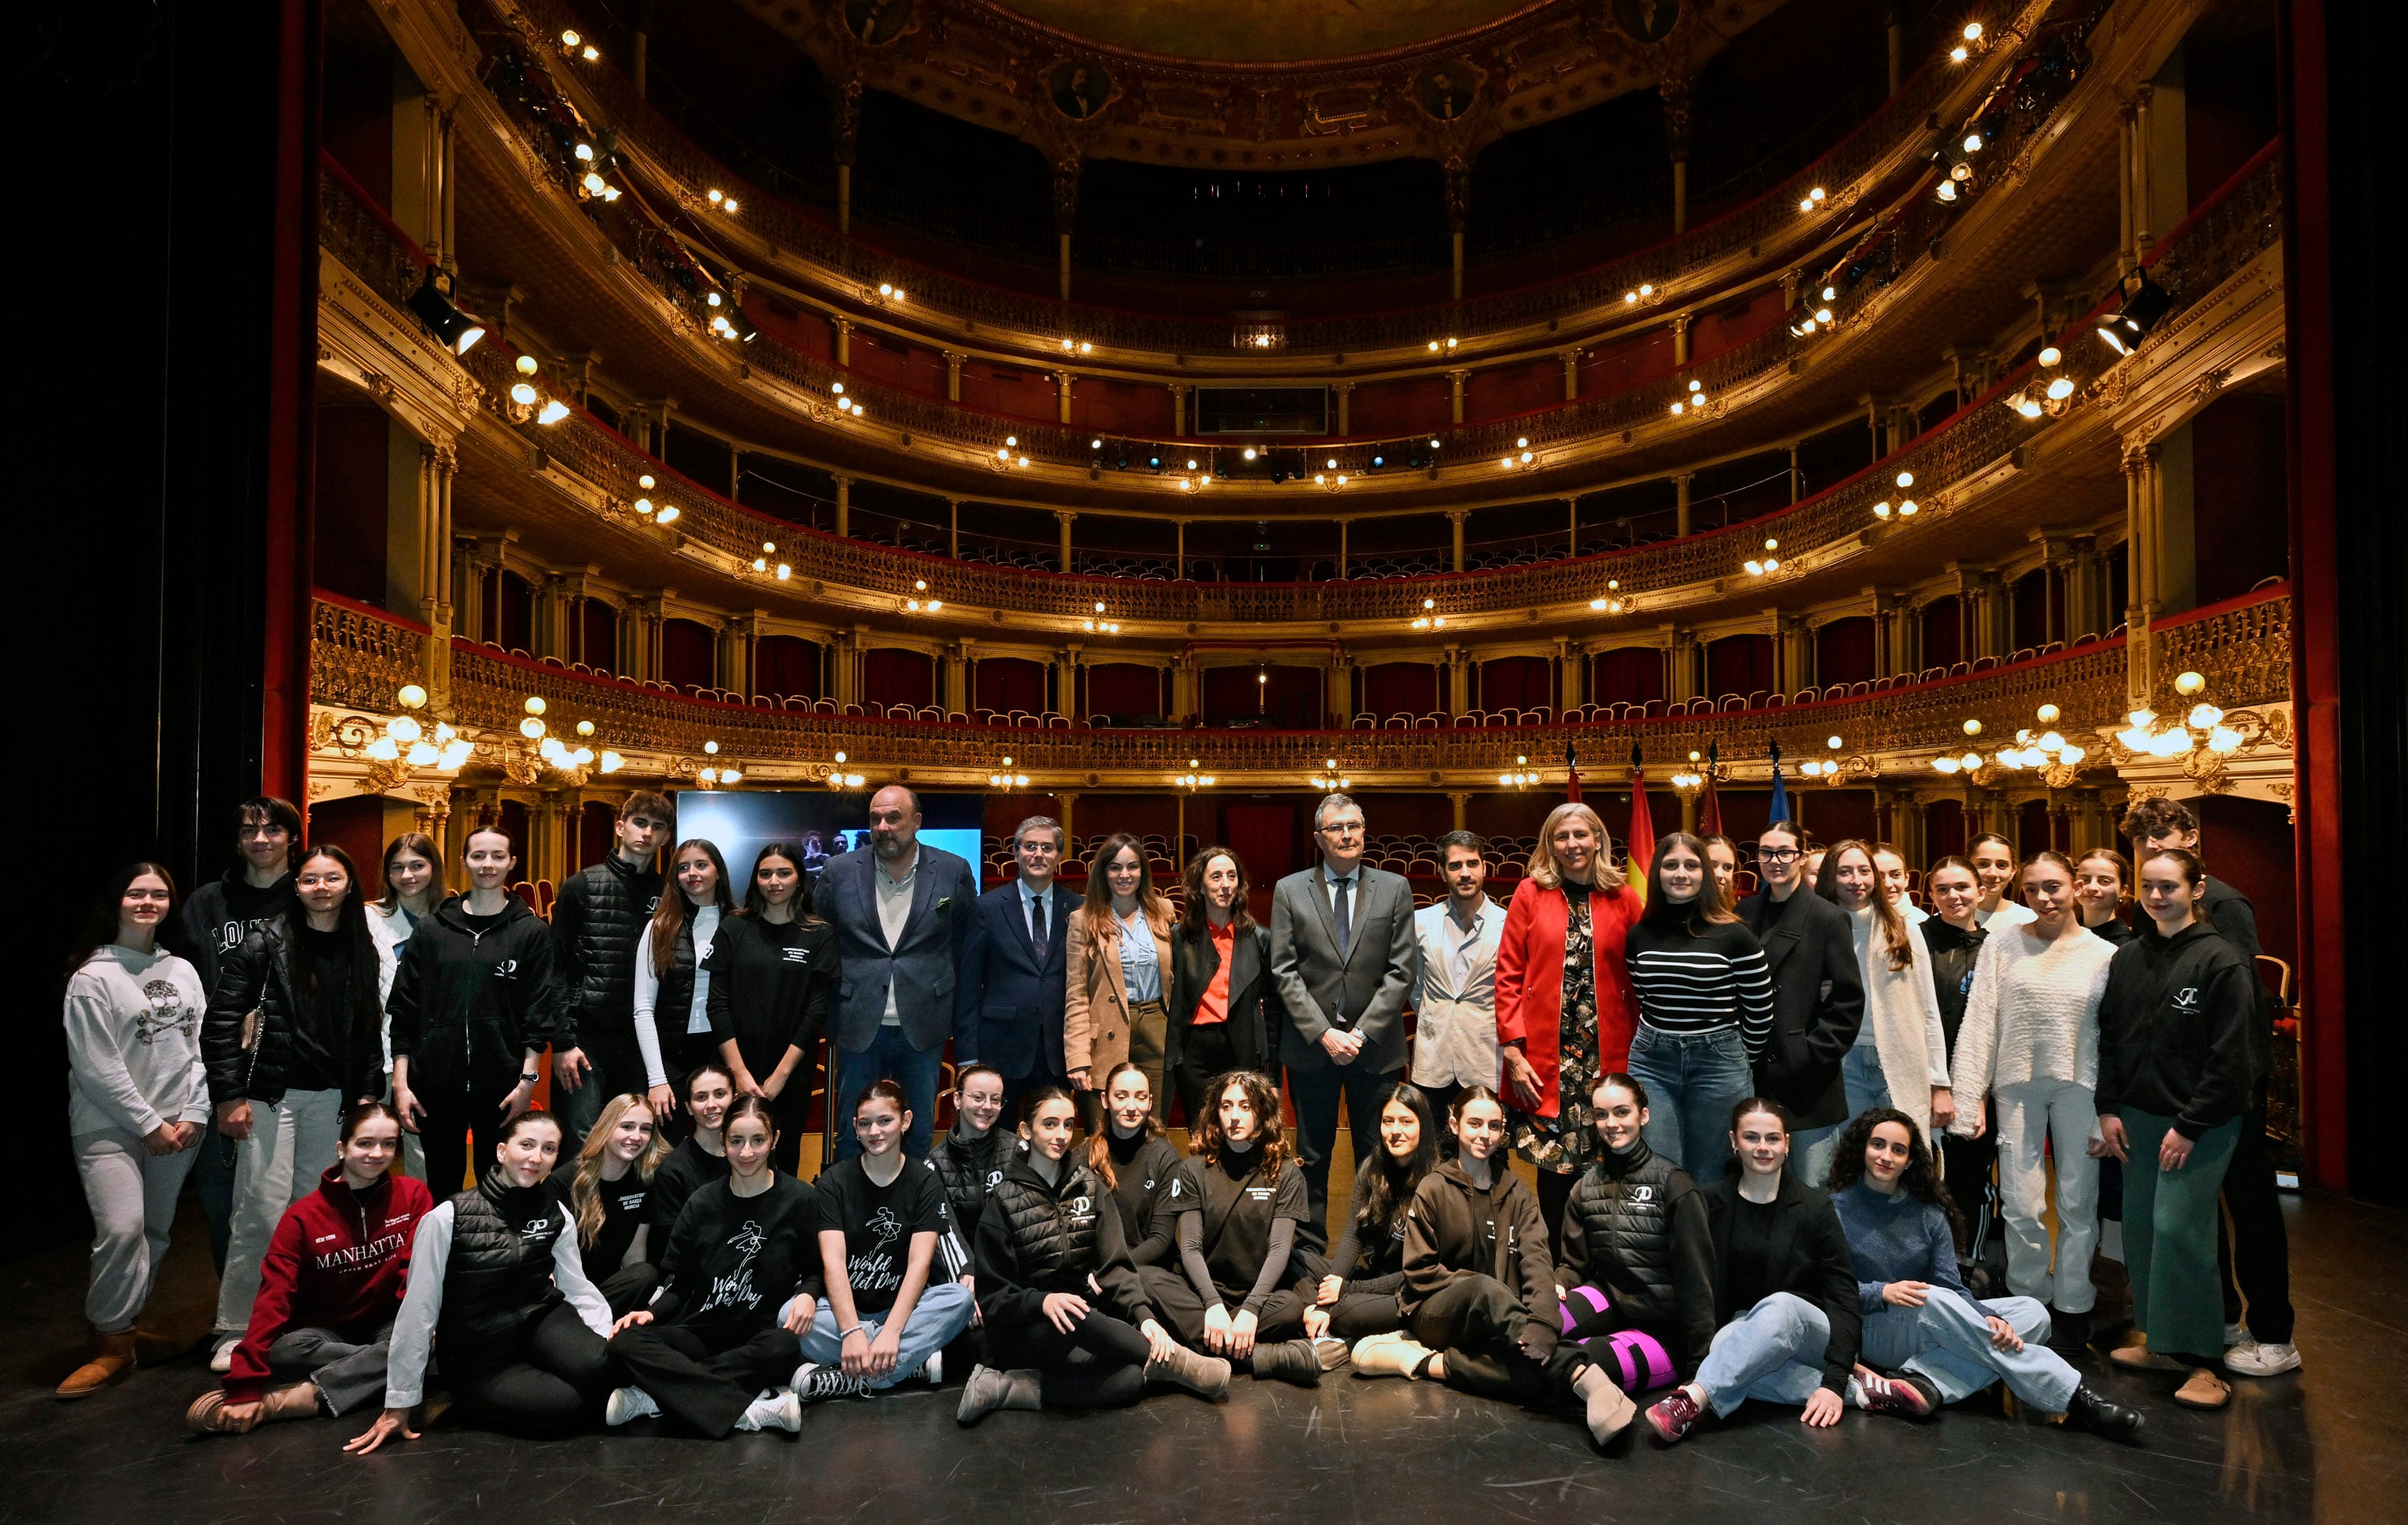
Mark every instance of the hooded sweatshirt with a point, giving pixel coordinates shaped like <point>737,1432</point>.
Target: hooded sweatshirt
<point>340,1259</point>
<point>223,911</point>
<point>1454,1230</point>
<point>469,1001</point>
<point>134,1053</point>
<point>2176,1028</point>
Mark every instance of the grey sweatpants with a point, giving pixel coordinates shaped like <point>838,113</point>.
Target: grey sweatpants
<point>346,1365</point>
<point>133,1195</point>
<point>291,1144</point>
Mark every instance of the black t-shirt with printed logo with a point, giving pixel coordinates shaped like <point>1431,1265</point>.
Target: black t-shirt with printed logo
<point>1239,1202</point>
<point>625,1204</point>
<point>733,1261</point>
<point>877,1223</point>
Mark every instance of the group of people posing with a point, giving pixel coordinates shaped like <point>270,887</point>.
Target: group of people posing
<point>1763,1133</point>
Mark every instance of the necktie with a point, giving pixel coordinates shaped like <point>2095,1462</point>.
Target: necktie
<point>1346,916</point>
<point>1037,927</point>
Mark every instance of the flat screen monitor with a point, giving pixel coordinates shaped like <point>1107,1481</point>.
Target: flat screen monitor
<point>823,823</point>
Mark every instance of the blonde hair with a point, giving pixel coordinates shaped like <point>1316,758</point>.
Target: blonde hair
<point>585,1191</point>
<point>1543,867</point>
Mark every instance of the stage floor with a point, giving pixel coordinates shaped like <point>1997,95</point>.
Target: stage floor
<point>2329,1445</point>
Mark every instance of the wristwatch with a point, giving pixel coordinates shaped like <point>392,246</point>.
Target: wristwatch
<point>529,1080</point>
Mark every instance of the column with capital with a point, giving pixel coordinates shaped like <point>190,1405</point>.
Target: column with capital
<point>1345,391</point>
<point>954,359</point>
<point>843,326</point>
<point>1065,518</point>
<point>1570,661</point>
<point>739,639</point>
<point>1062,381</point>
<point>1458,681</point>
<point>1457,517</point>
<point>436,466</point>
<point>1455,379</point>
<point>1675,95</point>
<point>843,506</point>
<point>1461,800</point>
<point>1680,484</point>
<point>1570,360</point>
<point>1680,338</point>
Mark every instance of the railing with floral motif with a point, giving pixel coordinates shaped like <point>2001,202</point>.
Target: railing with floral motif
<point>359,657</point>
<point>2241,645</point>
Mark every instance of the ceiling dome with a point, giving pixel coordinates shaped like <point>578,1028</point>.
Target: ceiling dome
<point>1264,31</point>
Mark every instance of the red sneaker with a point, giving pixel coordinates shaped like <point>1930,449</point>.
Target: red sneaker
<point>1907,1395</point>
<point>1671,1415</point>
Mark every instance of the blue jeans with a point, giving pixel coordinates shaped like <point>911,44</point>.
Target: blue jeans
<point>1810,1149</point>
<point>1693,1082</point>
<point>1811,1153</point>
<point>889,1056</point>
<point>942,1313</point>
<point>1860,1072</point>
<point>1773,1352</point>
<point>1948,1341</point>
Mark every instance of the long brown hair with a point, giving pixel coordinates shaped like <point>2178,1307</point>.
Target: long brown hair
<point>670,918</point>
<point>1099,1143</point>
<point>1893,925</point>
<point>1549,875</point>
<point>1708,906</point>
<point>409,842</point>
<point>585,1187</point>
<point>1097,908</point>
<point>1263,1097</point>
<point>1193,922</point>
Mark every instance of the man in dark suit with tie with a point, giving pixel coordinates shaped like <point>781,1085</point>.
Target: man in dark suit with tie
<point>1013,980</point>
<point>904,912</point>
<point>1343,959</point>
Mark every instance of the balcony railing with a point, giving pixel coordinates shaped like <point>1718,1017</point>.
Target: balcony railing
<point>360,657</point>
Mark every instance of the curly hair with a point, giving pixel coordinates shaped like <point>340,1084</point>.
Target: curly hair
<point>1920,1180</point>
<point>1263,1097</point>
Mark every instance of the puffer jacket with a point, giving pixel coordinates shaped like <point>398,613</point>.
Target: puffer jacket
<point>468,1006</point>
<point>258,974</point>
<point>1954,953</point>
<point>1636,1229</point>
<point>2176,1029</point>
<point>1035,1239</point>
<point>499,1275</point>
<point>970,1171</point>
<point>595,923</point>
<point>1453,1229</point>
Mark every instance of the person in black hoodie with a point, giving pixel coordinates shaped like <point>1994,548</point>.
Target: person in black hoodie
<point>471,1012</point>
<point>1480,1283</point>
<point>221,914</point>
<point>772,968</point>
<point>596,922</point>
<point>1818,997</point>
<point>1359,1292</point>
<point>292,1037</point>
<point>2175,1069</point>
<point>1635,1266</point>
<point>1136,1162</point>
<point>1055,1283</point>
<point>712,1349</point>
<point>1954,938</point>
<point>1785,1289</point>
<point>495,1279</point>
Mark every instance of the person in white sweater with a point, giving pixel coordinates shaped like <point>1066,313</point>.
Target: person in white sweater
<point>1901,1055</point>
<point>2030,1041</point>
<point>137,1102</point>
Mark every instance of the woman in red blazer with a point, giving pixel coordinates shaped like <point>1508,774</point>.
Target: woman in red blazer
<point>1564,1014</point>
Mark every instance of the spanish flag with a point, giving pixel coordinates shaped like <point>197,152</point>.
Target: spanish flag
<point>1642,842</point>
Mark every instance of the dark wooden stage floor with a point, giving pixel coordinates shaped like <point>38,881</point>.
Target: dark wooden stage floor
<point>2329,1445</point>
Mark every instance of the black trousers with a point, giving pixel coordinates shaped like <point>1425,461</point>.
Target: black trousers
<point>1352,1317</point>
<point>629,1287</point>
<point>1099,1364</point>
<point>1316,1094</point>
<point>1203,1053</point>
<point>1475,1322</point>
<point>1182,1311</point>
<point>1970,1164</point>
<point>705,1376</point>
<point>458,1133</point>
<point>1554,1195</point>
<point>555,1384</point>
<point>2255,1260</point>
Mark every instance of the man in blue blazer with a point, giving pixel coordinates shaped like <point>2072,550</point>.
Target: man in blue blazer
<point>1014,979</point>
<point>904,914</point>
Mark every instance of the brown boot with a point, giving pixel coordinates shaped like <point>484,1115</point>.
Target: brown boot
<point>211,1415</point>
<point>115,1360</point>
<point>297,1402</point>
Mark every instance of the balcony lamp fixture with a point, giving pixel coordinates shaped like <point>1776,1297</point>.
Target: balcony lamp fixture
<point>1522,775</point>
<point>1097,624</point>
<point>1007,779</point>
<point>1811,200</point>
<point>1082,346</point>
<point>1632,298</point>
<point>1193,780</point>
<point>432,302</point>
<point>1759,568</point>
<point>920,604</point>
<point>1963,51</point>
<point>1429,618</point>
<point>1329,780</point>
<point>1610,602</point>
<point>577,46</point>
<point>1437,345</point>
<point>720,199</point>
<point>2145,303</point>
<point>1694,403</point>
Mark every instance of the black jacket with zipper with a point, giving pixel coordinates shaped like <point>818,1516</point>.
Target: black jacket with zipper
<point>259,974</point>
<point>1819,1002</point>
<point>1955,950</point>
<point>595,923</point>
<point>1810,1258</point>
<point>1034,1239</point>
<point>2176,1028</point>
<point>1453,1229</point>
<point>466,1006</point>
<point>1636,1226</point>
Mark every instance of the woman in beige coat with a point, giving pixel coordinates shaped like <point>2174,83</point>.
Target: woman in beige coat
<point>1901,1058</point>
<point>1120,968</point>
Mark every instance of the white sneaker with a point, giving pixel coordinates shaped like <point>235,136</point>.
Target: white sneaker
<point>2236,1335</point>
<point>221,1359</point>
<point>628,1404</point>
<point>779,1411</point>
<point>2260,1360</point>
<point>935,1370</point>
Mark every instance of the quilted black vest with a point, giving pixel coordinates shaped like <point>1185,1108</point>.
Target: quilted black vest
<point>1052,1232</point>
<point>971,1171</point>
<point>499,1275</point>
<point>1625,1215</point>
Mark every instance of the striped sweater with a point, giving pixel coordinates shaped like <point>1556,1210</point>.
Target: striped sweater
<point>1702,983</point>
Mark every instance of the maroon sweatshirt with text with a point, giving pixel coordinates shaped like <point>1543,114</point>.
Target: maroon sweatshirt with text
<point>340,1259</point>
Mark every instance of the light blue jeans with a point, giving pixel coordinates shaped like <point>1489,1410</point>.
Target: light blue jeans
<point>1773,1352</point>
<point>1693,1082</point>
<point>1948,1341</point>
<point>1810,1149</point>
<point>1860,1072</point>
<point>942,1311</point>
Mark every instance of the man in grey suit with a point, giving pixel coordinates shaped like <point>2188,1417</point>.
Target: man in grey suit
<point>1343,958</point>
<point>904,912</point>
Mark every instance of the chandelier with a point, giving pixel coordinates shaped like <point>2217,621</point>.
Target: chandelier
<point>2204,738</point>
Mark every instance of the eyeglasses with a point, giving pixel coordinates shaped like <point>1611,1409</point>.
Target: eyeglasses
<point>1779,854</point>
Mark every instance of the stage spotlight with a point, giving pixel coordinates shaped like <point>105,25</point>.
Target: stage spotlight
<point>435,308</point>
<point>2145,303</point>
